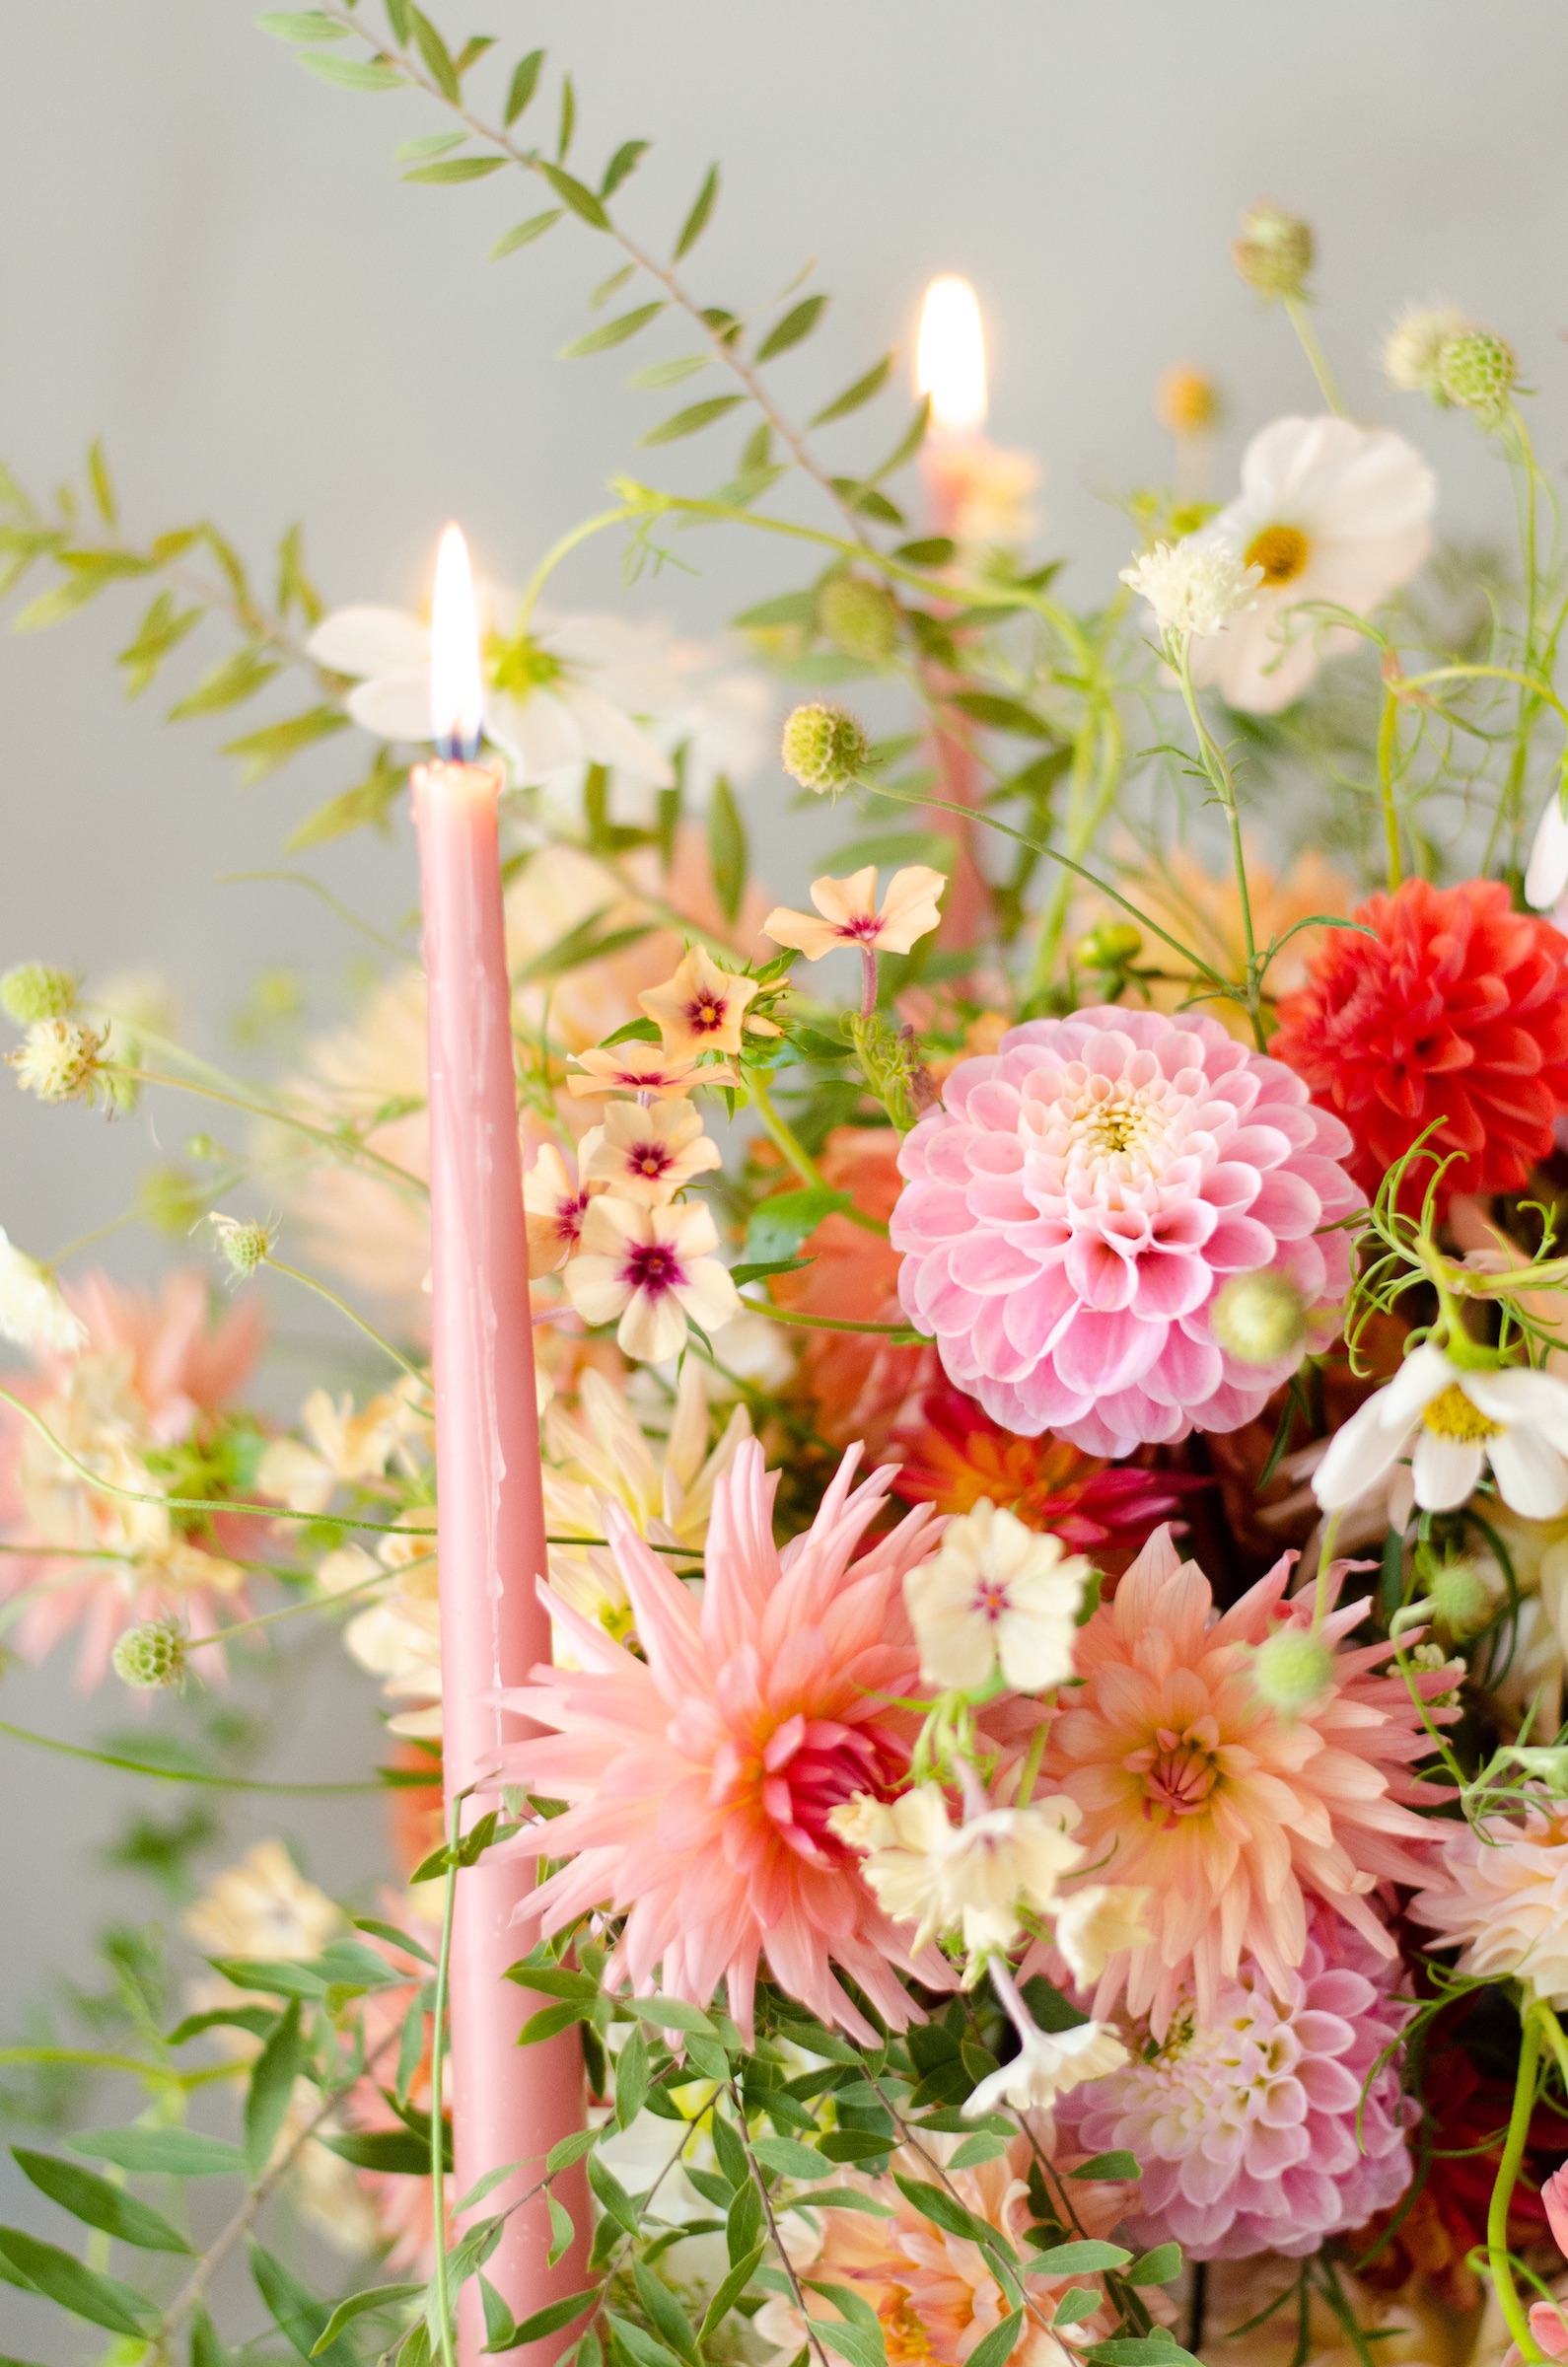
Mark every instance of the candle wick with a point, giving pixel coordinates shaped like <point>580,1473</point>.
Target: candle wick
<point>458,746</point>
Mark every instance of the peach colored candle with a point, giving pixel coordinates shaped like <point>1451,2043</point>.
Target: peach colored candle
<point>508,2104</point>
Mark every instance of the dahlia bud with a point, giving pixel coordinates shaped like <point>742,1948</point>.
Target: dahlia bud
<point>1477,371</point>
<point>1460,1599</point>
<point>858,617</point>
<point>1112,946</point>
<point>1274,251</point>
<point>1415,346</point>
<point>60,1060</point>
<point>245,1243</point>
<point>151,1658</point>
<point>1259,1318</point>
<point>1185,402</point>
<point>1292,1669</point>
<point>823,748</point>
<point>33,991</point>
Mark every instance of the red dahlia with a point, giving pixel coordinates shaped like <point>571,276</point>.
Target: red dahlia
<point>1455,1013</point>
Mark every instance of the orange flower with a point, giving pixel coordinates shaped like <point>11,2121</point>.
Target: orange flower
<point>849,913</point>
<point>638,1067</point>
<point>701,1009</point>
<point>647,1155</point>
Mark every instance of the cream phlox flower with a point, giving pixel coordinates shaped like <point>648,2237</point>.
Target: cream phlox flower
<point>925,1870</point>
<point>1547,875</point>
<point>536,712</point>
<point>996,1595</point>
<point>646,1155</point>
<point>910,910</point>
<point>638,1067</point>
<point>553,1208</point>
<point>397,1636</point>
<point>32,1308</point>
<point>702,1008</point>
<point>1452,1422</point>
<point>1193,586</point>
<point>344,1448</point>
<point>1047,2063</point>
<point>650,1269</point>
<point>263,1906</point>
<point>1096,1923</point>
<point>1328,512</point>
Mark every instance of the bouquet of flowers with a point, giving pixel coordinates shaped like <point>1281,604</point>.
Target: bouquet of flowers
<point>1050,1798</point>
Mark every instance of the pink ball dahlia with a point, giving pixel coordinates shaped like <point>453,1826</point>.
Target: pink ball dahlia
<point>1244,2124</point>
<point>1077,1199</point>
<point>701,1778</point>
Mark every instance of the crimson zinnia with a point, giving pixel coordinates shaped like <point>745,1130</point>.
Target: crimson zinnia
<point>1452,1014</point>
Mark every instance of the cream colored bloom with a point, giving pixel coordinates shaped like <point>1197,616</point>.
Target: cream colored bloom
<point>996,1595</point>
<point>1193,586</point>
<point>1328,512</point>
<point>1505,1898</point>
<point>910,911</point>
<point>263,1906</point>
<point>638,1067</point>
<point>647,1155</point>
<point>397,1635</point>
<point>650,1270</point>
<point>925,1870</point>
<point>344,1448</point>
<point>1451,1421</point>
<point>60,1060</point>
<point>32,1308</point>
<point>1414,344</point>
<point>1547,875</point>
<point>554,1206</point>
<point>1047,2065</point>
<point>1096,1923</point>
<point>701,1009</point>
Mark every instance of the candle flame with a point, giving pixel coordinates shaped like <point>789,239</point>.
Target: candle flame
<point>456,693</point>
<point>950,357</point>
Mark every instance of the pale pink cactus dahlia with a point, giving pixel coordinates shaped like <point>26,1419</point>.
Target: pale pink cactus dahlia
<point>1077,1199</point>
<point>1268,2124</point>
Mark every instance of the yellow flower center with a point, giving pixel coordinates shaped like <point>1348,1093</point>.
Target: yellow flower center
<point>1452,1415</point>
<point>706,1015</point>
<point>1282,551</point>
<point>904,2333</point>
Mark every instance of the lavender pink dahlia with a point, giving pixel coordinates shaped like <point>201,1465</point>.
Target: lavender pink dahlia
<point>1077,1199</point>
<point>1245,2125</point>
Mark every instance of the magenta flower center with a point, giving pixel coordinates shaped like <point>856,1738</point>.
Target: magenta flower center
<point>705,1013</point>
<point>569,1214</point>
<point>653,1266</point>
<point>650,1158</point>
<point>1178,1770</point>
<point>991,1598</point>
<point>809,1768</point>
<point>863,928</point>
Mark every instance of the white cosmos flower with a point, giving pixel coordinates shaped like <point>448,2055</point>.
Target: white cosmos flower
<point>32,1309</point>
<point>1548,875</point>
<point>1329,512</point>
<point>1453,1423</point>
<point>1047,2065</point>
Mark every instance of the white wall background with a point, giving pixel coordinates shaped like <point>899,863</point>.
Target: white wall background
<point>210,259</point>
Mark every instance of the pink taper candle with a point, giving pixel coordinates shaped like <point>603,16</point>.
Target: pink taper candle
<point>508,2104</point>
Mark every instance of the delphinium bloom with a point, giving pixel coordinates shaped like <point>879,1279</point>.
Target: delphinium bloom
<point>1233,1812</point>
<point>1442,1014</point>
<point>139,1405</point>
<point>1501,1896</point>
<point>700,1780</point>
<point>1078,1200</point>
<point>936,2295</point>
<point>1269,2123</point>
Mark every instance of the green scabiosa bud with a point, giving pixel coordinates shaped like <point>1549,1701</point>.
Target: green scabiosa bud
<point>151,1658</point>
<point>1476,372</point>
<point>1292,1669</point>
<point>823,748</point>
<point>1274,251</point>
<point>32,991</point>
<point>1461,1600</point>
<point>860,619</point>
<point>1259,1318</point>
<point>1112,946</point>
<point>245,1244</point>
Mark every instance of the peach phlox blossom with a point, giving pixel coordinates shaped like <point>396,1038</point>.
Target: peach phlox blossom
<point>1231,1812</point>
<point>144,1389</point>
<point>650,1270</point>
<point>700,1780</point>
<point>646,1154</point>
<point>703,1008</point>
<point>554,1204</point>
<point>340,1446</point>
<point>850,915</point>
<point>637,1067</point>
<point>935,2294</point>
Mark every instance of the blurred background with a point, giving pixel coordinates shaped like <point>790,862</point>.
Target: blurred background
<point>210,259</point>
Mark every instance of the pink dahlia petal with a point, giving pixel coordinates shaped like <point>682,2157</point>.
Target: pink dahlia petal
<point>1075,1202</point>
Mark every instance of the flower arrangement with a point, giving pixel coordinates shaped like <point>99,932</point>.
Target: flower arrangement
<point>1042,1833</point>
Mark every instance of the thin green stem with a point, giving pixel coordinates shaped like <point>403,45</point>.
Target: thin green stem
<point>1317,360</point>
<point>345,1146</point>
<point>1508,2170</point>
<point>904,1332</point>
<point>294,1611</point>
<point>1388,736</point>
<point>795,1154</point>
<point>438,2133</point>
<point>562,549</point>
<point>135,1766</point>
<point>309,1283</point>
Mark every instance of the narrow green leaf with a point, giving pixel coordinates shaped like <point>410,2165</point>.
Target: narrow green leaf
<point>433,143</point>
<point>842,2199</point>
<point>638,2344</point>
<point>162,2152</point>
<point>206,2350</point>
<point>554,2316</point>
<point>627,157</point>
<point>264,751</point>
<point>350,73</point>
<point>457,168</point>
<point>568,2150</point>
<point>999,2344</point>
<point>743,2231</point>
<point>611,333</point>
<point>561,2231</point>
<point>729,2294</point>
<point>943,2210</point>
<point>525,82</point>
<point>1118,2165</point>
<point>631,2079</point>
<point>272,2089</point>
<point>374,2297</point>
<point>60,2277</point>
<point>369,802</point>
<point>1155,2268</point>
<point>500,2330</point>
<point>525,232</point>
<point>398,18</point>
<point>295,2310</point>
<point>279,1976</point>
<point>549,2022</point>
<point>572,192</point>
<point>482,2186</point>
<point>433,49</point>
<point>393,2152</point>
<point>856,2343</point>
<point>236,678</point>
<point>1000,714</point>
<point>669,374</point>
<point>1076,2303</point>
<point>909,443</point>
<point>161,630</point>
<point>613,2195</point>
<point>861,391</point>
<point>727,850</point>
<point>690,421</point>
<point>789,2158</point>
<point>977,2149</point>
<point>1077,2259</point>
<point>606,288</point>
<point>307,26</point>
<point>1140,2350</point>
<point>795,325</point>
<point>730,2154</point>
<point>780,1223</point>
<point>670,2013</point>
<point>395,1938</point>
<point>567,124</point>
<point>99,478</point>
<point>92,2199</point>
<point>669,2319</point>
<point>696,222</point>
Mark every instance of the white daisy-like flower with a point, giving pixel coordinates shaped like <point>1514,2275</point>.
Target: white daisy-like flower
<point>1453,1423</point>
<point>32,1308</point>
<point>1548,875</point>
<point>1328,512</point>
<point>1047,2063</point>
<point>1192,586</point>
<point>996,1594</point>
